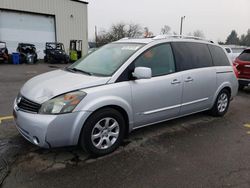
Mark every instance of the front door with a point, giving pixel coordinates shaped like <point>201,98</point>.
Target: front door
<point>158,98</point>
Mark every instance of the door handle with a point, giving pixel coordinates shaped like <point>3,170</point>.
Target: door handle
<point>189,79</point>
<point>175,81</point>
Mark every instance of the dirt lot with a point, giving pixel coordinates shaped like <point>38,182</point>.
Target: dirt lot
<point>195,151</point>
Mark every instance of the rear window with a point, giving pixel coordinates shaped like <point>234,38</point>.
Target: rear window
<point>245,56</point>
<point>190,55</point>
<point>219,56</point>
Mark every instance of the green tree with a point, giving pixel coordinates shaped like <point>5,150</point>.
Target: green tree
<point>221,43</point>
<point>233,38</point>
<point>245,39</point>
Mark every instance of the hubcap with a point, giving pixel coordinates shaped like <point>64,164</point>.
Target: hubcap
<point>105,133</point>
<point>222,102</point>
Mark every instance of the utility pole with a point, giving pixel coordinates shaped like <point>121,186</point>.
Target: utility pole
<point>182,19</point>
<point>96,35</point>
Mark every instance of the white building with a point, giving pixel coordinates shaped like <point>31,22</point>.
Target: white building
<point>41,21</point>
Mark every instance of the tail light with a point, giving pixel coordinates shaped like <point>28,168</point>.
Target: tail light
<point>235,64</point>
<point>236,71</point>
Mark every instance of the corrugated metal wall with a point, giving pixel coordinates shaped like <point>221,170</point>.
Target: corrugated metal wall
<point>71,17</point>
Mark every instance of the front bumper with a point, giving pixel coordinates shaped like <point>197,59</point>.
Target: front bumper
<point>50,130</point>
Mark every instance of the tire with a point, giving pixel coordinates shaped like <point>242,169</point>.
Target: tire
<point>221,104</point>
<point>103,132</point>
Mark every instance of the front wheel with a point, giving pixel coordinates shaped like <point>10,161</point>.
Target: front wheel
<point>103,132</point>
<point>221,104</point>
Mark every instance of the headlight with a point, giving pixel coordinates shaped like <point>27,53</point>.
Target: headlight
<point>62,104</point>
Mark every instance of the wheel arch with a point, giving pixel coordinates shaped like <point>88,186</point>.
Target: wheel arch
<point>226,86</point>
<point>120,109</point>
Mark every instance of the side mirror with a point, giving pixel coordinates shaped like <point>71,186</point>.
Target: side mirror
<point>142,73</point>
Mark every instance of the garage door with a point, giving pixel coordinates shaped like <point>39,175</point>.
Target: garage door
<point>16,27</point>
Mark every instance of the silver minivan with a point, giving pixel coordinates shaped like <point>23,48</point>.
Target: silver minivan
<point>123,86</point>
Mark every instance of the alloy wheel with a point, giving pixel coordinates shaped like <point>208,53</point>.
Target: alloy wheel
<point>222,102</point>
<point>105,133</point>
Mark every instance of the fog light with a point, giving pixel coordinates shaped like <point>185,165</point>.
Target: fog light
<point>35,140</point>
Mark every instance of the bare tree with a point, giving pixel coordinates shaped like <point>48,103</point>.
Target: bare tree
<point>175,33</point>
<point>165,30</point>
<point>134,30</point>
<point>147,33</point>
<point>119,31</point>
<point>198,33</point>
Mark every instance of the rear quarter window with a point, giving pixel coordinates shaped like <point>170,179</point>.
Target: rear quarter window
<point>219,56</point>
<point>191,55</point>
<point>245,56</point>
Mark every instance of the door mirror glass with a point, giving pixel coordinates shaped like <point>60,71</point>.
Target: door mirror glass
<point>142,73</point>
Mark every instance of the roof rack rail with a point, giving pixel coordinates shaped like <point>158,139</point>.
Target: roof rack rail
<point>181,37</point>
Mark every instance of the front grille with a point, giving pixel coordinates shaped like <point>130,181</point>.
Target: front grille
<point>28,105</point>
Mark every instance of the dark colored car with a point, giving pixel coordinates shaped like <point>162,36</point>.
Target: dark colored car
<point>27,53</point>
<point>242,63</point>
<point>3,52</point>
<point>55,53</point>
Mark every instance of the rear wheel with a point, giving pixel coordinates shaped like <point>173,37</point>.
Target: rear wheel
<point>103,132</point>
<point>221,104</point>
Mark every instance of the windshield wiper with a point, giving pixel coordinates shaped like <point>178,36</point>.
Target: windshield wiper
<point>78,70</point>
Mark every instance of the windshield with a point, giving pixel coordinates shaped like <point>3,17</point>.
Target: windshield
<point>106,60</point>
<point>54,46</point>
<point>2,45</point>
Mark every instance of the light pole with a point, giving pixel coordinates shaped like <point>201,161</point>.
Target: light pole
<point>182,19</point>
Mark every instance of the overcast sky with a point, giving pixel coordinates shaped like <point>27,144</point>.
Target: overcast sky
<point>216,18</point>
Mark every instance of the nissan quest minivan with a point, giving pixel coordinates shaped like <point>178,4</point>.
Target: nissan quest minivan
<point>123,86</point>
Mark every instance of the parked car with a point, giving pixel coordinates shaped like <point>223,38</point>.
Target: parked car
<point>27,53</point>
<point>92,47</point>
<point>55,53</point>
<point>234,52</point>
<point>242,64</point>
<point>4,56</point>
<point>121,87</point>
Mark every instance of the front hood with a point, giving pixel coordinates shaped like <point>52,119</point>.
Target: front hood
<point>48,85</point>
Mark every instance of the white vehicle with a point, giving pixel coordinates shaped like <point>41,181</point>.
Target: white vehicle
<point>123,86</point>
<point>234,51</point>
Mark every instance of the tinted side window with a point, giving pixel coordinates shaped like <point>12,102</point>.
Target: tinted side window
<point>159,58</point>
<point>219,56</point>
<point>190,55</point>
<point>245,56</point>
